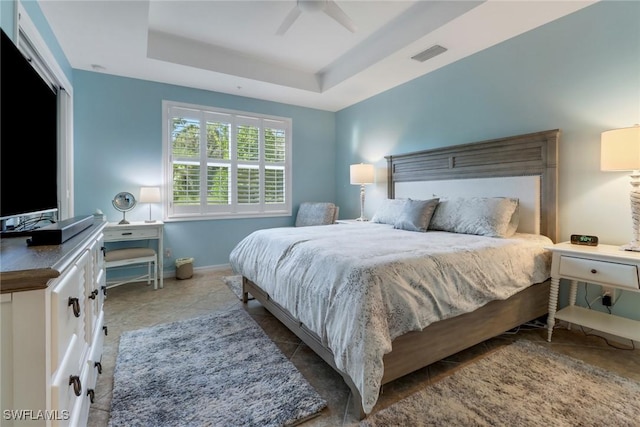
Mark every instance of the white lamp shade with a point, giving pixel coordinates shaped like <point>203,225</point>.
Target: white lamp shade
<point>362,174</point>
<point>150,195</point>
<point>620,149</point>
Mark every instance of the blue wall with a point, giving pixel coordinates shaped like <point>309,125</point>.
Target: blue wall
<point>580,74</point>
<point>118,147</point>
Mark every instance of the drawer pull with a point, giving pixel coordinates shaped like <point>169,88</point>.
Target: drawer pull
<point>91,394</point>
<point>99,366</point>
<point>127,234</point>
<point>76,306</point>
<point>93,294</point>
<point>104,290</point>
<point>104,328</point>
<point>594,271</point>
<point>77,385</point>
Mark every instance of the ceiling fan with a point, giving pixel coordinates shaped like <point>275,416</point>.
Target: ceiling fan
<point>327,6</point>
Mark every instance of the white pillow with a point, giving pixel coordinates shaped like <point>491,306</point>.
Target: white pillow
<point>484,216</point>
<point>389,211</point>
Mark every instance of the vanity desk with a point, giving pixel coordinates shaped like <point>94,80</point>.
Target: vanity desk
<point>139,231</point>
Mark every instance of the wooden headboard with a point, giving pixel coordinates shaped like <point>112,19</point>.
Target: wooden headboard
<point>534,154</point>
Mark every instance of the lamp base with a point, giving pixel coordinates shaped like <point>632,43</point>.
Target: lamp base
<point>630,247</point>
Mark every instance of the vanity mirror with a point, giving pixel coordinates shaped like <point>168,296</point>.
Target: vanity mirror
<point>124,202</point>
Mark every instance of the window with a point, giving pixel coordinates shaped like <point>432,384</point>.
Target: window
<point>226,164</point>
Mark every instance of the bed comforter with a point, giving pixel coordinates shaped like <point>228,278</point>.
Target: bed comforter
<point>359,286</point>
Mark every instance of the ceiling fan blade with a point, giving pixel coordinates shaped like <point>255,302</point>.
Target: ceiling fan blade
<point>288,20</point>
<point>334,11</point>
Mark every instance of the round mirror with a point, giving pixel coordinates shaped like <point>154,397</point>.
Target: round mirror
<point>124,202</point>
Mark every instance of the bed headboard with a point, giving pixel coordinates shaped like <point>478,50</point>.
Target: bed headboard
<point>532,155</point>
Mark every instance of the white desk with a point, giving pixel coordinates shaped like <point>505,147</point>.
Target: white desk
<point>139,230</point>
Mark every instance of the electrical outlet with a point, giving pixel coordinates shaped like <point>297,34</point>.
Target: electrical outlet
<point>608,296</point>
<point>168,253</point>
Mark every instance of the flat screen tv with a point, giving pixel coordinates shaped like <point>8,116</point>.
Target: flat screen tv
<point>28,137</point>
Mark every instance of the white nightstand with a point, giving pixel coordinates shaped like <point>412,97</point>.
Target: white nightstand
<point>350,221</point>
<point>604,265</point>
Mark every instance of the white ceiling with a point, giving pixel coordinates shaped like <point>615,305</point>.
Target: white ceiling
<point>231,46</point>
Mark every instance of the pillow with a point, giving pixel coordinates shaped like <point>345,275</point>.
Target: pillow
<point>389,211</point>
<point>416,215</point>
<point>484,216</point>
<point>515,220</point>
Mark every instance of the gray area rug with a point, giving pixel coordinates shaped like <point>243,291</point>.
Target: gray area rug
<point>235,284</point>
<point>523,384</point>
<point>217,370</point>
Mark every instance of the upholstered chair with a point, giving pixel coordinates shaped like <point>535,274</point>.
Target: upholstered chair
<point>316,213</point>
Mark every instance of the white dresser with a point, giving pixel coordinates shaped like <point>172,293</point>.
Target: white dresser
<point>53,328</point>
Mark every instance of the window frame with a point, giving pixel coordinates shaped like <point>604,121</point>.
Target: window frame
<point>203,211</point>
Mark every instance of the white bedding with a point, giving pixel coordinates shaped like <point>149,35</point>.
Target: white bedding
<point>359,286</point>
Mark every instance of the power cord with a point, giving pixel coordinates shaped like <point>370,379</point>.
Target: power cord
<point>589,334</point>
<point>528,326</point>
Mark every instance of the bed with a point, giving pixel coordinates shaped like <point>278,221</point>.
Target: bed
<point>378,301</point>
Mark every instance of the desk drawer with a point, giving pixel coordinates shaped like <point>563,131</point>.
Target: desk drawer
<point>607,273</point>
<point>126,233</point>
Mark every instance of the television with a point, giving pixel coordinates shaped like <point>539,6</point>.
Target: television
<point>28,138</point>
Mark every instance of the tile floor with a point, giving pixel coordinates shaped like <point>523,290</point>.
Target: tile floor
<point>137,305</point>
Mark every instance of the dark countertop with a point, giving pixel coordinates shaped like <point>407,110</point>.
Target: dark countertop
<point>24,268</point>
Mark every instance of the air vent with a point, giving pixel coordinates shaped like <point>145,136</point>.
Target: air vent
<point>429,53</point>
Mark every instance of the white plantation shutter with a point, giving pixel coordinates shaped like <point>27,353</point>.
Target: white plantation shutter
<point>248,185</point>
<point>275,144</point>
<point>274,184</point>
<point>225,164</point>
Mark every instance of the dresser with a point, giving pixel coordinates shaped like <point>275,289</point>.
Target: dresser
<point>604,265</point>
<point>53,327</point>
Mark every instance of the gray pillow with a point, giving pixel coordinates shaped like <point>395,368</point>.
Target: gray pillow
<point>484,216</point>
<point>416,215</point>
<point>389,211</point>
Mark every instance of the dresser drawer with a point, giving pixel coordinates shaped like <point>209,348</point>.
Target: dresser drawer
<point>607,273</point>
<point>94,361</point>
<point>125,233</point>
<point>67,312</point>
<point>67,384</point>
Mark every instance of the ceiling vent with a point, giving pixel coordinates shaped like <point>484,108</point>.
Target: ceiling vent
<point>429,53</point>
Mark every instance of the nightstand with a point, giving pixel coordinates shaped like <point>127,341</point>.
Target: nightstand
<point>604,265</point>
<point>350,221</point>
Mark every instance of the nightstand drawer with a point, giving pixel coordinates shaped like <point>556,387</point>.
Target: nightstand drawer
<point>592,271</point>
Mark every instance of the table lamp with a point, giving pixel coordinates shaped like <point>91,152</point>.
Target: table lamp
<point>620,151</point>
<point>361,174</point>
<point>150,195</point>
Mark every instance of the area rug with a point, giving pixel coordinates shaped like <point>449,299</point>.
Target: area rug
<point>523,384</point>
<point>217,370</point>
<point>235,284</point>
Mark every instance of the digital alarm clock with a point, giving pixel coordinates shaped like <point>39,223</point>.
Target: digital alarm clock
<point>583,239</point>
